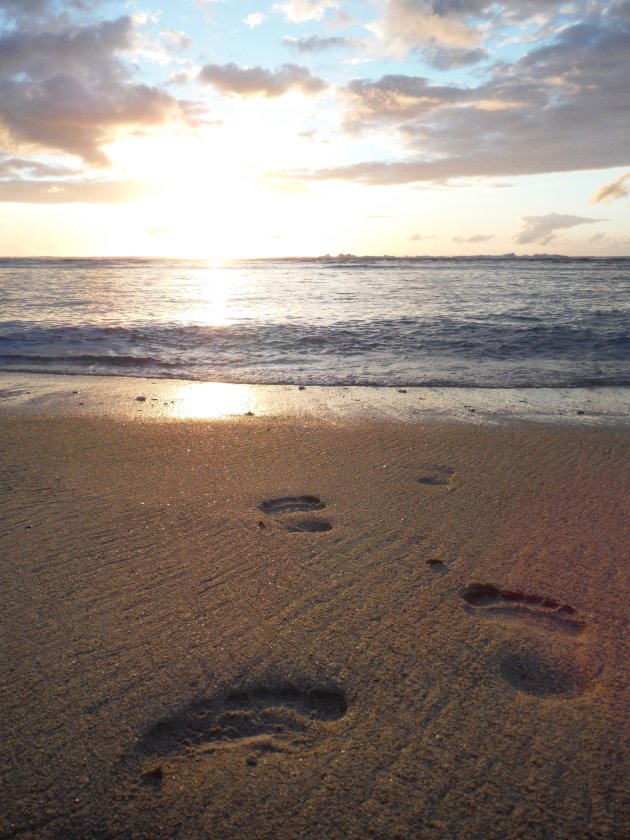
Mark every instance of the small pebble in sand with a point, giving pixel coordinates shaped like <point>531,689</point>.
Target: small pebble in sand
<point>249,414</point>
<point>301,388</point>
<point>580,412</point>
<point>140,399</point>
<point>402,390</point>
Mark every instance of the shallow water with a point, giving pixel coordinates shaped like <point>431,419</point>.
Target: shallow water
<point>465,322</point>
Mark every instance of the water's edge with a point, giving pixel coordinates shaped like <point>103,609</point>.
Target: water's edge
<point>168,399</point>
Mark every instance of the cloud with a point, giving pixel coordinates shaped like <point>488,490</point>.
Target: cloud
<point>408,25</point>
<point>300,11</point>
<point>83,50</point>
<point>32,11</point>
<point>418,237</point>
<point>477,237</point>
<point>175,38</point>
<point>34,168</point>
<point>315,44</point>
<point>395,98</point>
<point>181,77</point>
<point>254,19</point>
<point>542,229</point>
<point>555,109</point>
<point>256,81</point>
<point>442,58</point>
<point>68,90</point>
<point>610,245</point>
<point>64,114</point>
<point>86,191</point>
<point>613,190</point>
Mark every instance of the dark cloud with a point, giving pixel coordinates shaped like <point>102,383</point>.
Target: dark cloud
<point>257,81</point>
<point>542,229</point>
<point>315,44</point>
<point>55,192</point>
<point>64,114</point>
<point>443,58</point>
<point>620,9</point>
<point>558,108</point>
<point>395,99</point>
<point>411,24</point>
<point>89,51</point>
<point>68,90</point>
<point>32,13</point>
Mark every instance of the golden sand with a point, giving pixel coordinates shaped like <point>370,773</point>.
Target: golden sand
<point>278,629</point>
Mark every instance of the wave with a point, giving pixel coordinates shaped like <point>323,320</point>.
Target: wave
<point>12,359</point>
<point>600,338</point>
<point>474,322</point>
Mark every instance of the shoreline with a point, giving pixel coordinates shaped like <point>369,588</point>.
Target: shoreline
<point>172,399</point>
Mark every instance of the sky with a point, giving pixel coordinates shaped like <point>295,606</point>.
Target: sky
<point>227,129</point>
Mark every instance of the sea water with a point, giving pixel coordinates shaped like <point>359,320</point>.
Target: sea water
<point>461,322</point>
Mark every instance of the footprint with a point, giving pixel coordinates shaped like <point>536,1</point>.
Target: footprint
<point>545,674</point>
<point>269,718</point>
<point>437,566</point>
<point>287,504</point>
<point>509,603</point>
<point>309,524</point>
<point>436,476</point>
<point>540,665</point>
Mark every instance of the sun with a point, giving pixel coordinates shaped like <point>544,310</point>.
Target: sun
<point>211,197</point>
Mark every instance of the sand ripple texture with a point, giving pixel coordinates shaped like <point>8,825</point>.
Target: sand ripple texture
<point>446,658</point>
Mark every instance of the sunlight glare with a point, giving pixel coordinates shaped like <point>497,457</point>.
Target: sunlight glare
<point>213,401</point>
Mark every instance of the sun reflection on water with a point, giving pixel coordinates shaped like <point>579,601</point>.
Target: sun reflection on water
<point>216,291</point>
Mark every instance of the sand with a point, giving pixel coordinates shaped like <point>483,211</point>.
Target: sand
<point>280,628</point>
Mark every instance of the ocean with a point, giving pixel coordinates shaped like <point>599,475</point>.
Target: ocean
<point>438,322</point>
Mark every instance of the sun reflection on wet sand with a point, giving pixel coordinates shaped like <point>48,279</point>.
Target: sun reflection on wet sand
<point>213,400</point>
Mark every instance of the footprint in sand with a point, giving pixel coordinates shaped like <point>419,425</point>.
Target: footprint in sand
<point>297,504</point>
<point>531,665</point>
<point>274,718</point>
<point>436,476</point>
<point>309,524</point>
<point>513,604</point>
<point>437,566</point>
<point>289,504</point>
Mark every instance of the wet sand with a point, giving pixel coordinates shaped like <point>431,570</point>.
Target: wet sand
<point>274,628</point>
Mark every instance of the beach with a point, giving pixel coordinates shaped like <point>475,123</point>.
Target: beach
<point>292,626</point>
